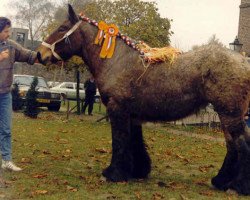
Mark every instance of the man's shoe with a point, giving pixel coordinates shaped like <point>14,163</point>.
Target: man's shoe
<point>9,165</point>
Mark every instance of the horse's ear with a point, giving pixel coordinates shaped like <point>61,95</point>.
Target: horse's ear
<point>73,18</point>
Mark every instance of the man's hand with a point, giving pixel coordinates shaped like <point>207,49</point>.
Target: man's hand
<point>4,54</point>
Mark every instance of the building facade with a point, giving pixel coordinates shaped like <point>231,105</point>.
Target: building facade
<point>20,35</point>
<point>244,26</point>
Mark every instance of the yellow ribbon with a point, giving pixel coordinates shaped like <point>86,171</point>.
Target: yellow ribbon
<point>102,26</point>
<point>108,33</point>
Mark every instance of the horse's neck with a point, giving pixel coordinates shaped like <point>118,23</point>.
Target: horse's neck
<point>88,48</point>
<point>91,52</point>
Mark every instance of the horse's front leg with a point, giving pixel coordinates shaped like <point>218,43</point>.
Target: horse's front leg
<point>142,161</point>
<point>121,166</point>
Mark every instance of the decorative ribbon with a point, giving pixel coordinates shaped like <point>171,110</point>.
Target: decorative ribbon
<point>107,33</point>
<point>102,26</point>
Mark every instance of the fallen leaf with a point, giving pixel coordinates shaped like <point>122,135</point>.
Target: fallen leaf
<point>101,150</point>
<point>65,182</point>
<point>157,196</point>
<point>68,151</point>
<point>46,152</point>
<point>82,177</point>
<point>72,189</point>
<point>63,141</point>
<point>205,168</point>
<point>183,197</point>
<point>207,193</point>
<point>40,176</point>
<point>26,160</point>
<point>201,182</point>
<point>179,156</point>
<point>169,153</point>
<point>174,185</point>
<point>41,191</point>
<point>138,195</point>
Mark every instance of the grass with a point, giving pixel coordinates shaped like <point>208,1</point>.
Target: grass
<point>214,132</point>
<point>98,108</point>
<point>64,159</point>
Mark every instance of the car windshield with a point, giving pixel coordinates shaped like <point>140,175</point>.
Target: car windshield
<point>27,80</point>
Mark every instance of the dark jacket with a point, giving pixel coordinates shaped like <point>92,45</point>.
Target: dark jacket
<point>16,53</point>
<point>90,88</point>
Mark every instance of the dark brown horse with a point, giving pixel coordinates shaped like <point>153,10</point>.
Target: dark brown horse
<point>166,92</point>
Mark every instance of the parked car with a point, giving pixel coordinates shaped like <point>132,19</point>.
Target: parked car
<point>52,83</point>
<point>46,98</point>
<point>68,90</point>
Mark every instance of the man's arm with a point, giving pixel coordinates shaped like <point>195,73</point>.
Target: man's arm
<point>24,55</point>
<point>86,84</point>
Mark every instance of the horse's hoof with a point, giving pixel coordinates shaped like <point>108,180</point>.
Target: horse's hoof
<point>231,192</point>
<point>103,179</point>
<point>115,175</point>
<point>240,186</point>
<point>220,183</point>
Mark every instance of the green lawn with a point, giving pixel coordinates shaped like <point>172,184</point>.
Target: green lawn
<point>99,108</point>
<point>64,159</point>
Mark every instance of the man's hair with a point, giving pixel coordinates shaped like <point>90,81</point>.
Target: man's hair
<point>4,22</point>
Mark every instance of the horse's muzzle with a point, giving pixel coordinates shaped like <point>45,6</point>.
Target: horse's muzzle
<point>39,57</point>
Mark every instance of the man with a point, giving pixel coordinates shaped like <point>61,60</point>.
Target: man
<point>10,52</point>
<point>90,92</point>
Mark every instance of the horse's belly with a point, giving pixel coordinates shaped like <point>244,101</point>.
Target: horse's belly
<point>166,109</point>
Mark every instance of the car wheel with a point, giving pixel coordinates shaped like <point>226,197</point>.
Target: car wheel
<point>54,107</point>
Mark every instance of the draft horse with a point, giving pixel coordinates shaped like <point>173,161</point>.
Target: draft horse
<point>165,92</point>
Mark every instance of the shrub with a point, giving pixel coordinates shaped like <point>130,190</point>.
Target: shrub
<point>16,99</point>
<point>31,109</point>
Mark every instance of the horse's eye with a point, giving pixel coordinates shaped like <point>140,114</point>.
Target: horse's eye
<point>62,28</point>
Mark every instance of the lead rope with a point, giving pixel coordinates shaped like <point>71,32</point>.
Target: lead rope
<point>61,71</point>
<point>146,66</point>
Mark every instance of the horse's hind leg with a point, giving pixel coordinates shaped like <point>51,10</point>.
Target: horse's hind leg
<point>141,159</point>
<point>228,170</point>
<point>241,183</point>
<point>235,171</point>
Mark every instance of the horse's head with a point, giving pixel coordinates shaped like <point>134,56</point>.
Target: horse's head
<point>64,42</point>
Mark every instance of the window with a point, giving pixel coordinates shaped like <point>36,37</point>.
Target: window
<point>27,80</point>
<point>81,86</point>
<point>67,85</point>
<point>20,38</point>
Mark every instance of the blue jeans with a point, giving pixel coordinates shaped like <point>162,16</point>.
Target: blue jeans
<point>5,125</point>
<point>248,122</point>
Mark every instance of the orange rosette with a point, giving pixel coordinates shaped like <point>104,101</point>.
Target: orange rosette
<point>108,47</point>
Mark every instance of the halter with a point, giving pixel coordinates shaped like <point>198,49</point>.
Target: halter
<point>67,40</point>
